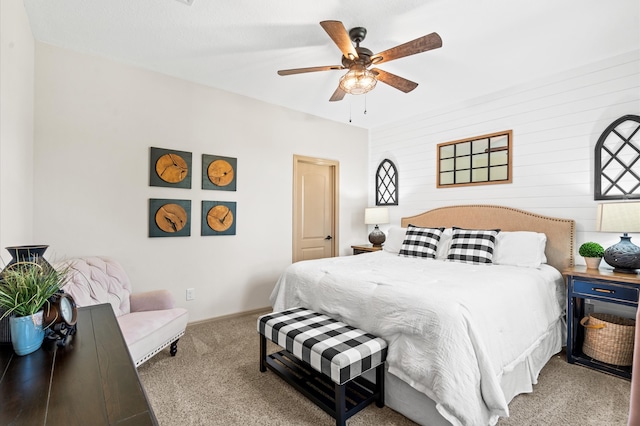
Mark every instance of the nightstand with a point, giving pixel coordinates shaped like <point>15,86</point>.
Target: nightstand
<point>596,284</point>
<point>364,248</point>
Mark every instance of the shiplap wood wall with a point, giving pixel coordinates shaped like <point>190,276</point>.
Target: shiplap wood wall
<point>556,123</point>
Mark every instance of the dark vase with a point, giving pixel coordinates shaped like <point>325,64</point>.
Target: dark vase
<point>21,254</point>
<point>33,254</point>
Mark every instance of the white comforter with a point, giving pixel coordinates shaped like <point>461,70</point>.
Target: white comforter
<point>453,329</point>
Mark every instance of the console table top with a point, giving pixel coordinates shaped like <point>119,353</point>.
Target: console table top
<point>91,381</point>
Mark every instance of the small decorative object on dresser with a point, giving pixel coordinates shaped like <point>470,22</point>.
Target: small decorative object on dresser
<point>24,291</point>
<point>592,254</point>
<point>28,253</point>
<point>376,216</point>
<point>621,217</point>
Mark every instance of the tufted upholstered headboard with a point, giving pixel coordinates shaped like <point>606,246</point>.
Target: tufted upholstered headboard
<point>560,232</point>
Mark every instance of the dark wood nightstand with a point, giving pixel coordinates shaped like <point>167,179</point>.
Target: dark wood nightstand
<point>596,284</point>
<point>365,248</point>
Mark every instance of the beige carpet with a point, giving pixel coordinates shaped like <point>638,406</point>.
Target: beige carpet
<point>214,380</point>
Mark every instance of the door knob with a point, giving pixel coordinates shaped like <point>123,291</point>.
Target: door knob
<point>328,237</point>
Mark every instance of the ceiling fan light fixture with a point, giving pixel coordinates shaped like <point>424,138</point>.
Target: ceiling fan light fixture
<point>358,81</point>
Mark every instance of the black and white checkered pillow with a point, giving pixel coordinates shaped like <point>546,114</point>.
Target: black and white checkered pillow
<point>472,245</point>
<point>420,242</point>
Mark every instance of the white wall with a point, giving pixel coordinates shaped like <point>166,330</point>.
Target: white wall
<point>556,123</point>
<point>95,121</point>
<point>16,127</point>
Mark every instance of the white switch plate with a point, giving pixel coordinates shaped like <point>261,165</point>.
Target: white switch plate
<point>191,293</point>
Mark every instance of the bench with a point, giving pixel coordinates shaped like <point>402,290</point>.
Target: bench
<point>324,360</point>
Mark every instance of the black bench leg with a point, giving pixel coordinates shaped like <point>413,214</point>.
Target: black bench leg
<point>380,385</point>
<point>263,353</point>
<point>174,348</point>
<point>341,404</point>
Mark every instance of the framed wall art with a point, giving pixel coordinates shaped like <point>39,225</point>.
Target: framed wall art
<point>387,184</point>
<point>218,218</point>
<point>169,218</point>
<point>169,168</point>
<point>617,156</point>
<point>219,172</point>
<point>480,160</point>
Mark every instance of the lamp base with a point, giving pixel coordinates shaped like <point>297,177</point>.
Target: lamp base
<point>377,237</point>
<point>624,256</point>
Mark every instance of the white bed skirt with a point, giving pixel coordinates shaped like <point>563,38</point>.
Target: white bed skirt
<point>416,406</point>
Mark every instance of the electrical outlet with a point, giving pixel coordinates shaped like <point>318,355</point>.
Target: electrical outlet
<point>191,293</point>
<point>588,307</point>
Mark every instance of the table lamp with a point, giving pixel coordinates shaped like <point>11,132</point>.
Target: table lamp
<point>621,217</point>
<point>376,216</point>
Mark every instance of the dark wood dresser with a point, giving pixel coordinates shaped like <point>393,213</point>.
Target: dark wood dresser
<point>92,381</point>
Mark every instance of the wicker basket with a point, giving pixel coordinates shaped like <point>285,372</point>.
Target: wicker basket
<point>609,338</point>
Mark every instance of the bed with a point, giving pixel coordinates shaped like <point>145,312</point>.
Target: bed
<point>465,336</point>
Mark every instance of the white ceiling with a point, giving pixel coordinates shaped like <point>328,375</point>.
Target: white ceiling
<point>238,45</point>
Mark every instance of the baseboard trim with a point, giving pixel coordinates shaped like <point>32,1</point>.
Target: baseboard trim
<point>231,316</point>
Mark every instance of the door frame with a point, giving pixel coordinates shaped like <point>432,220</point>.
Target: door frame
<point>335,170</point>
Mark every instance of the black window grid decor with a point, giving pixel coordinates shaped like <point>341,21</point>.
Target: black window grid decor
<point>387,184</point>
<point>617,160</point>
<point>479,160</point>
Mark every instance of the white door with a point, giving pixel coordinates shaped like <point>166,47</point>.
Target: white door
<point>315,195</point>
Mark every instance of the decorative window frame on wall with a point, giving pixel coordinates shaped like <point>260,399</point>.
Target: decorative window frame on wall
<point>480,160</point>
<point>387,184</point>
<point>617,161</point>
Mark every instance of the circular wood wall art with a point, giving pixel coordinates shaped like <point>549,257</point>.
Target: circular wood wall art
<point>220,172</point>
<point>172,168</point>
<point>171,218</point>
<point>220,218</point>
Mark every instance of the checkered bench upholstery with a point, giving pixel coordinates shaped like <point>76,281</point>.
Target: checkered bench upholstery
<point>338,351</point>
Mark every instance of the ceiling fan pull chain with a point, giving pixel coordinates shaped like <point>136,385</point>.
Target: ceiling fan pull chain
<point>350,109</point>
<point>365,104</point>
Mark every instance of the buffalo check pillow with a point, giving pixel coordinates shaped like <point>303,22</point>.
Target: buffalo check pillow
<point>420,242</point>
<point>472,245</point>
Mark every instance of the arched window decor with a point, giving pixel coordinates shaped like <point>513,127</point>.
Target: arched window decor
<point>387,184</point>
<point>617,160</point>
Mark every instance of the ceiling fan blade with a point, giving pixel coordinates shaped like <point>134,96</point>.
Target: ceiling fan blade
<point>310,69</point>
<point>419,45</point>
<point>338,95</point>
<point>393,80</point>
<point>340,37</point>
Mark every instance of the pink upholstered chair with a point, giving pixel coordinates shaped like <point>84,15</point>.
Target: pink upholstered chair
<point>149,321</point>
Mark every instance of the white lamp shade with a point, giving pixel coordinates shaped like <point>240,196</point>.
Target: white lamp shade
<point>618,217</point>
<point>376,215</point>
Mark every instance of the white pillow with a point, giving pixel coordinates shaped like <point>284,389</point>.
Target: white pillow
<point>520,248</point>
<point>443,245</point>
<point>394,240</point>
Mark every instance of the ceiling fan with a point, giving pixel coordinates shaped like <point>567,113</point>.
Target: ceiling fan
<point>360,79</point>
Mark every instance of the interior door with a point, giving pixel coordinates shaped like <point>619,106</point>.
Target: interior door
<point>315,207</point>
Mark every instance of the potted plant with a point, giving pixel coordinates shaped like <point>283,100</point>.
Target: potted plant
<point>25,288</point>
<point>592,253</point>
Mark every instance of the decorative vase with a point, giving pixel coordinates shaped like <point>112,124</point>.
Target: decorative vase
<point>29,253</point>
<point>593,262</point>
<point>33,253</point>
<point>27,333</point>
